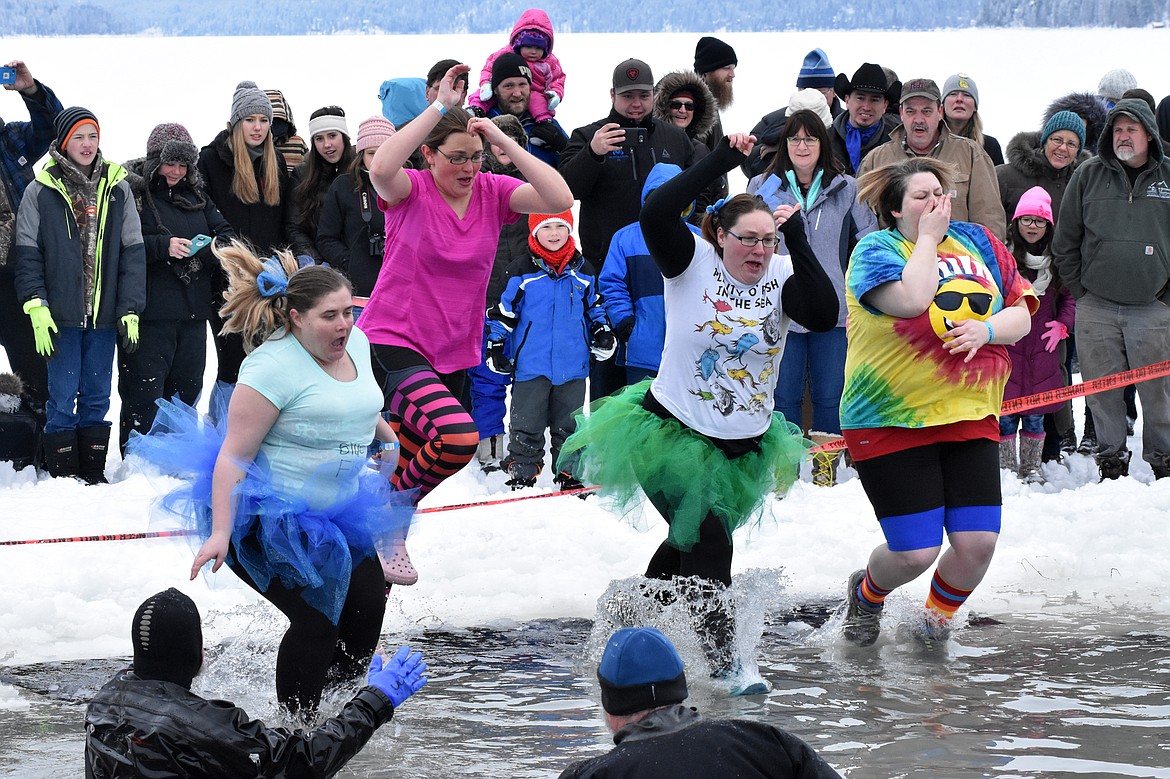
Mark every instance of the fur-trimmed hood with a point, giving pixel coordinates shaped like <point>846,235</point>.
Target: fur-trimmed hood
<point>1026,155</point>
<point>1090,108</point>
<point>706,112</point>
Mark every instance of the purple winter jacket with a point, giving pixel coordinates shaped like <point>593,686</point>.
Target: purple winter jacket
<point>1035,369</point>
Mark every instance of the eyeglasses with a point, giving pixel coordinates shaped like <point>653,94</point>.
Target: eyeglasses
<point>810,141</point>
<point>1070,145</point>
<point>769,241</point>
<point>461,158</point>
<point>679,105</point>
<point>1033,221</point>
<point>979,302</point>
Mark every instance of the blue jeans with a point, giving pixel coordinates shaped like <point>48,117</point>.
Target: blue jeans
<point>819,358</point>
<point>1032,424</point>
<point>80,375</point>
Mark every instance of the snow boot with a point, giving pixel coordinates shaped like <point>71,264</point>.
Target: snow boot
<point>1031,448</point>
<point>1007,454</point>
<point>93,442</point>
<point>1113,466</point>
<point>1088,443</point>
<point>61,453</point>
<point>521,475</point>
<point>490,452</point>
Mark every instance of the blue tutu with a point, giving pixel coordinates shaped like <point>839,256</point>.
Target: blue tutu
<point>275,535</point>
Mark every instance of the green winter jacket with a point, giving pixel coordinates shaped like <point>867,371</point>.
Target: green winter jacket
<point>1113,240</point>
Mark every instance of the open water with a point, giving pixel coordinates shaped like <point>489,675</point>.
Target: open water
<point>1068,694</point>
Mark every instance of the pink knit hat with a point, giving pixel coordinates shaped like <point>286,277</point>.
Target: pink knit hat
<point>373,132</point>
<point>1035,202</point>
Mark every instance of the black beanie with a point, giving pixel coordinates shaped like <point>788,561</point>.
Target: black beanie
<point>167,638</point>
<point>712,54</point>
<point>68,120</point>
<point>509,65</point>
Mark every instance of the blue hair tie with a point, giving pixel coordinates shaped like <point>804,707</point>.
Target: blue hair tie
<point>718,204</point>
<point>272,281</point>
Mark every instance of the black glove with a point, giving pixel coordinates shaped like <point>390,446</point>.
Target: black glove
<point>623,329</point>
<point>549,136</point>
<point>497,360</point>
<point>601,342</point>
<point>475,110</point>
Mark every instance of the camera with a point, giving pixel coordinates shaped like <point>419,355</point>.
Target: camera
<point>7,75</point>
<point>377,245</point>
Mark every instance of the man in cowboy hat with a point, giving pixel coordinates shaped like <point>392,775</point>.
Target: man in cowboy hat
<point>864,125</point>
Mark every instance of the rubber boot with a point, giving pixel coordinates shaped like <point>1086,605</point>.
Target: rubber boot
<point>1007,454</point>
<point>1031,450</point>
<point>93,443</point>
<point>61,453</point>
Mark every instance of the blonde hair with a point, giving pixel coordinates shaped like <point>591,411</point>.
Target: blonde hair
<point>883,189</point>
<point>244,184</point>
<point>255,316</point>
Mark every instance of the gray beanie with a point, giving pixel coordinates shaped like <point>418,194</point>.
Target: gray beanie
<point>248,100</point>
<point>1114,83</point>
<point>961,82</point>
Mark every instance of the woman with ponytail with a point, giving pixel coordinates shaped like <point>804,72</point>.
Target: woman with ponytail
<point>283,494</point>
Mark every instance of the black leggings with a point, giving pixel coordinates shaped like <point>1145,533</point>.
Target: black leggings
<point>314,650</point>
<point>709,558</point>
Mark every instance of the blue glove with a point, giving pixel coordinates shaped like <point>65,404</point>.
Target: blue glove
<point>401,677</point>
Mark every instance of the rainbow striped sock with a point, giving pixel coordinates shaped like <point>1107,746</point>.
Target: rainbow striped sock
<point>871,595</point>
<point>945,599</point>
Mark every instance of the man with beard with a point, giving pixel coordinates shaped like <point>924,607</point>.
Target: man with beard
<point>924,134</point>
<point>606,164</point>
<point>715,63</point>
<point>1112,250</point>
<point>512,86</point>
<point>864,125</point>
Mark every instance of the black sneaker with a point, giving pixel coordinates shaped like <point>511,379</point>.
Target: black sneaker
<point>1088,443</point>
<point>863,623</point>
<point>1113,466</point>
<point>1068,442</point>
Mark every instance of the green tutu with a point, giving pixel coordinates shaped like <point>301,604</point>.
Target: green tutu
<point>631,453</point>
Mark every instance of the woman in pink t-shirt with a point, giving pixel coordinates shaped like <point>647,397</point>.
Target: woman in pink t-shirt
<point>425,316</point>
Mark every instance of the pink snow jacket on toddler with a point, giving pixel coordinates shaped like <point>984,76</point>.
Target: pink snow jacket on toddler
<point>548,79</point>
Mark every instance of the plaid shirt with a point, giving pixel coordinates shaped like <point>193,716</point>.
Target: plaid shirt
<point>23,143</point>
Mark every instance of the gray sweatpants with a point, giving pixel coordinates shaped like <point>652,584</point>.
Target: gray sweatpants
<point>538,404</point>
<point>1113,337</point>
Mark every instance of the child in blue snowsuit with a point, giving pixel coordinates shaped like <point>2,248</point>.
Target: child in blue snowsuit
<point>552,315</point>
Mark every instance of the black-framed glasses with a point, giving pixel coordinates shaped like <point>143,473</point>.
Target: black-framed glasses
<point>1033,221</point>
<point>461,158</point>
<point>750,241</point>
<point>979,302</point>
<point>809,141</point>
<point>678,105</point>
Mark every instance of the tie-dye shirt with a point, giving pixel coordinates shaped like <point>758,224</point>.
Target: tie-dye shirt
<point>897,371</point>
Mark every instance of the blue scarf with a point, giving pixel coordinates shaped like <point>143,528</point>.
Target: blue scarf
<point>814,189</point>
<point>855,139</point>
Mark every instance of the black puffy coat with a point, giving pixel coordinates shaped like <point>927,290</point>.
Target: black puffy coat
<point>1027,167</point>
<point>261,225</point>
<point>343,235</point>
<point>610,187</point>
<point>176,289</point>
<point>138,727</point>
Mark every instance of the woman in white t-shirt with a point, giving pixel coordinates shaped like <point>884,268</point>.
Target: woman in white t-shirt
<point>285,496</point>
<point>701,440</point>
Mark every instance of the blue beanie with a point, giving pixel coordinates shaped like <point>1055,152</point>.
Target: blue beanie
<point>816,72</point>
<point>640,670</point>
<point>1064,120</point>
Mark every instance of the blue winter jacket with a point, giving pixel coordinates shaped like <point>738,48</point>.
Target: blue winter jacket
<point>547,317</point>
<point>631,285</point>
<point>48,257</point>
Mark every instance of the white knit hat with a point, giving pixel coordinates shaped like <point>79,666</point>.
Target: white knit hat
<point>810,100</point>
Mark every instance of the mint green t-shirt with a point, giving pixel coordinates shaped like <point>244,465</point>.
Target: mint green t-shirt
<point>317,447</point>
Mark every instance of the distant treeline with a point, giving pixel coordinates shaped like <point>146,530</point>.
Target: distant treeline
<point>312,17</point>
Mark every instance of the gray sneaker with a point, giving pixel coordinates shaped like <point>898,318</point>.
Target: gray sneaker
<point>863,623</point>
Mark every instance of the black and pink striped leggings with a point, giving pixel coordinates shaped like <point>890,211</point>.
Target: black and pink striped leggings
<point>435,433</point>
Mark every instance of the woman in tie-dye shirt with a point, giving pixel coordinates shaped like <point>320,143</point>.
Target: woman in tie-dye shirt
<point>931,304</point>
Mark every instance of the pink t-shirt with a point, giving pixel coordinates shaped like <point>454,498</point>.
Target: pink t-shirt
<point>431,292</point>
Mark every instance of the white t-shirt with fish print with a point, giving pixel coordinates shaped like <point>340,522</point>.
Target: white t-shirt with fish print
<point>724,341</point>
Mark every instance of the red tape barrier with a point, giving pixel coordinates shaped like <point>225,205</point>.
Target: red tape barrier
<point>1059,395</point>
<point>176,533</point>
<point>1014,406</point>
